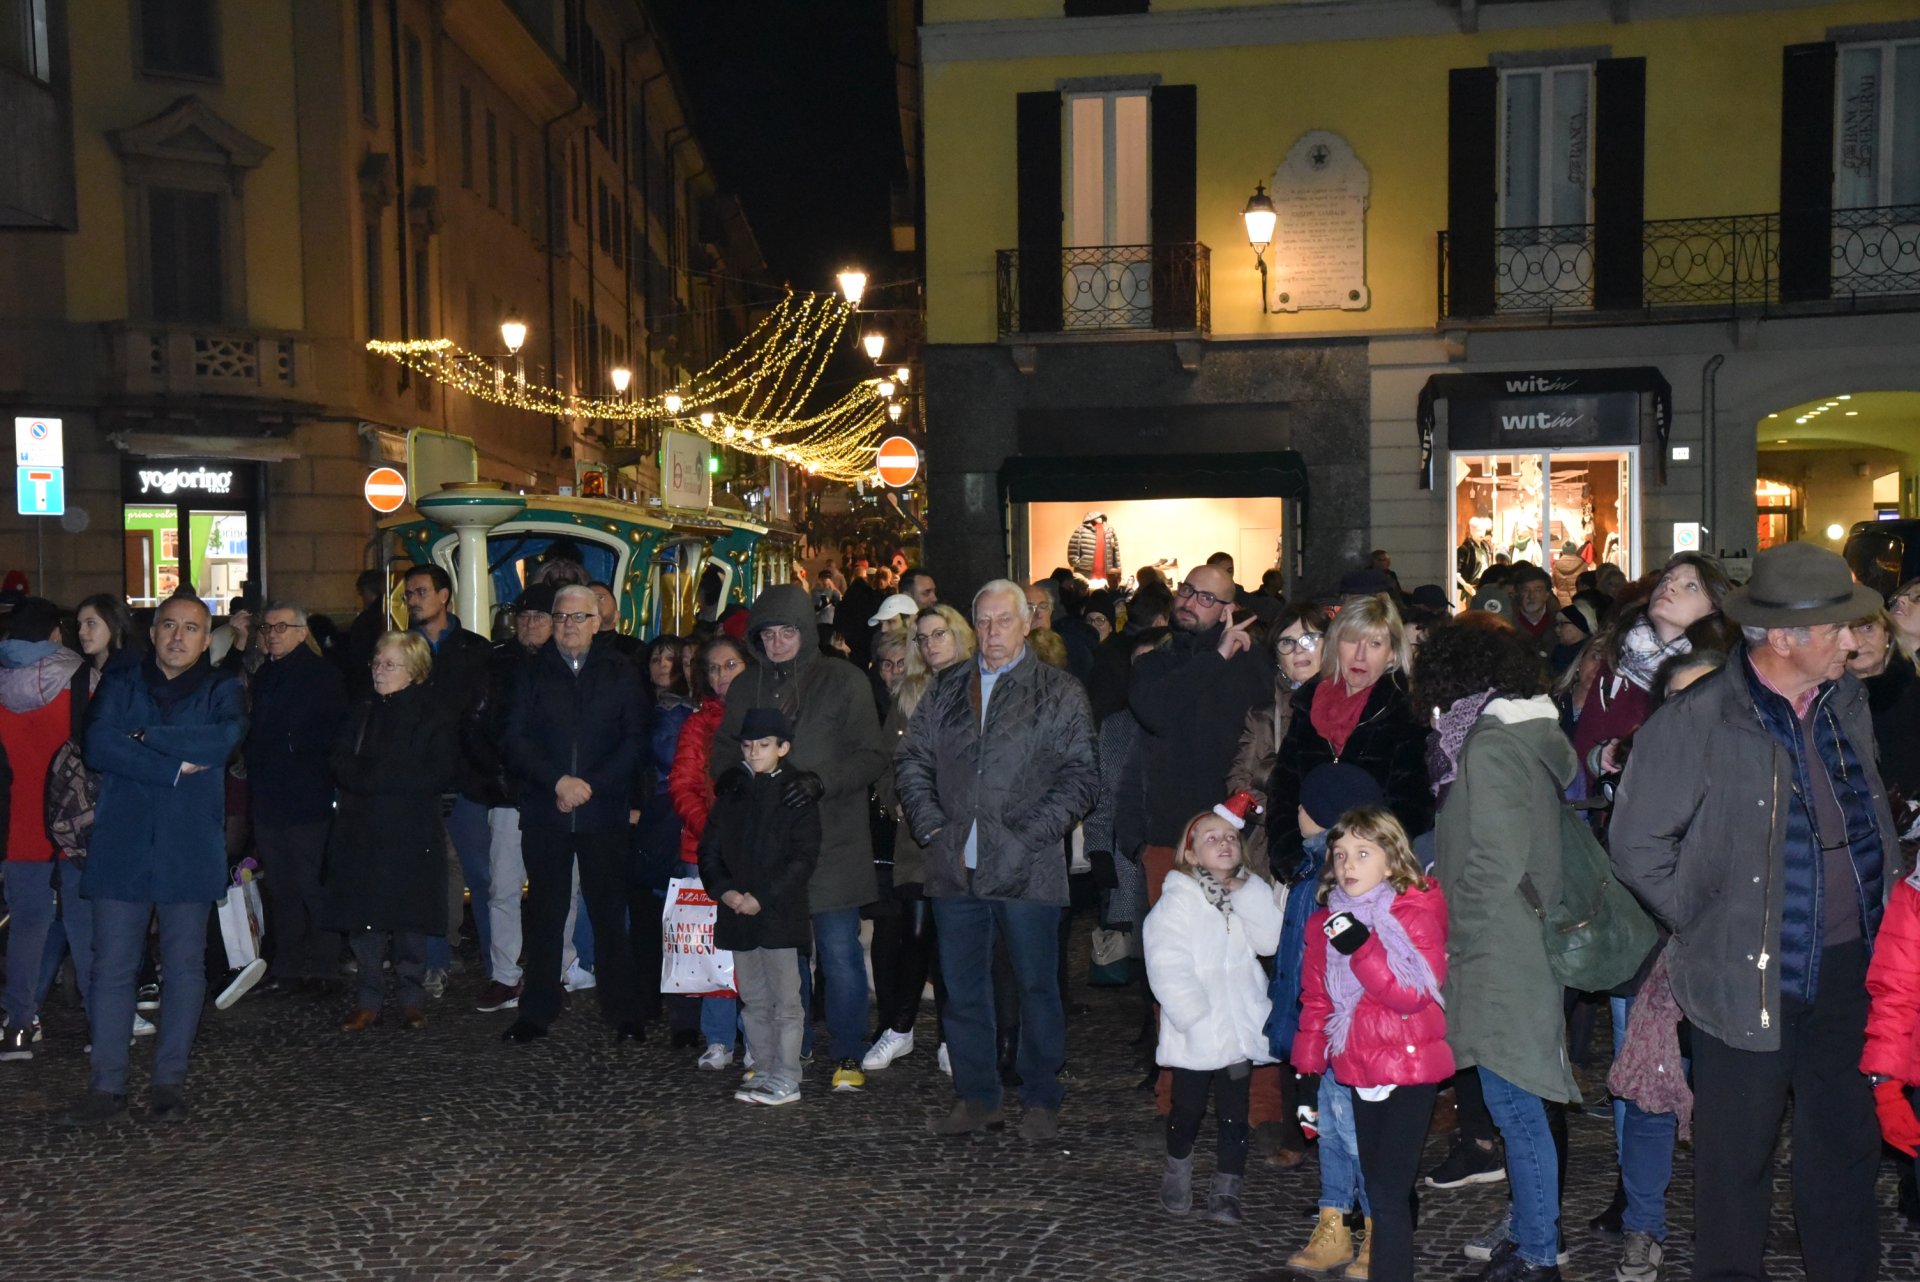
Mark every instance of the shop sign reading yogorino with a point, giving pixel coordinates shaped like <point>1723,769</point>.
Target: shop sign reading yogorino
<point>170,481</point>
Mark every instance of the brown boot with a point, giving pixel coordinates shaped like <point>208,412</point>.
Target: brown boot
<point>1330,1246</point>
<point>360,1021</point>
<point>1363,1258</point>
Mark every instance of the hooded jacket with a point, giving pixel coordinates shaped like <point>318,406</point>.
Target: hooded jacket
<point>1501,822</point>
<point>1893,983</point>
<point>1025,776</point>
<point>1399,1035</point>
<point>35,721</point>
<point>159,834</point>
<point>1203,966</point>
<point>836,737</point>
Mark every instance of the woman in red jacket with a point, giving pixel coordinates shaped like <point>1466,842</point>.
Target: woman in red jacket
<point>1892,1054</point>
<point>720,661</point>
<point>1370,1003</point>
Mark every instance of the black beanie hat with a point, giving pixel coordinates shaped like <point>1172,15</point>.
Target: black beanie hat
<point>1331,790</point>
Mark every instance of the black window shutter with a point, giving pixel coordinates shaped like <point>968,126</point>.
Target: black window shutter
<point>1619,181</point>
<point>1473,95</point>
<point>183,254</point>
<point>1806,171</point>
<point>1037,158</point>
<point>1174,222</point>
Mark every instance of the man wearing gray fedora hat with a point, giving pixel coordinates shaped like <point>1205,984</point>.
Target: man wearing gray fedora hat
<point>1752,821</point>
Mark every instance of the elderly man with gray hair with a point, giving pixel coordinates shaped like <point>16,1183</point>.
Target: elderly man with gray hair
<point>1753,822</point>
<point>996,767</point>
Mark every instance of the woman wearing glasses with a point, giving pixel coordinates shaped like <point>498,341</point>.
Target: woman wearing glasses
<point>386,860</point>
<point>719,661</point>
<point>903,943</point>
<point>1903,608</point>
<point>1297,642</point>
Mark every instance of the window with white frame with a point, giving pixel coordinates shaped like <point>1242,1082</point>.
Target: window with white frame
<point>1108,207</point>
<point>1877,125</point>
<point>1546,146</point>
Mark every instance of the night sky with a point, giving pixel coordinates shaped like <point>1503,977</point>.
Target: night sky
<point>793,101</point>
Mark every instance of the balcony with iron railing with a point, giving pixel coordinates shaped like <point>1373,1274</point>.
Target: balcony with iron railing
<point>1104,289</point>
<point>1791,263</point>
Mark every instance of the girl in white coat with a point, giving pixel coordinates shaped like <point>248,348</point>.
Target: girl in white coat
<point>1216,918</point>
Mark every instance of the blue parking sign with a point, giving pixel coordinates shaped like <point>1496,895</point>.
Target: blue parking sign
<point>42,491</point>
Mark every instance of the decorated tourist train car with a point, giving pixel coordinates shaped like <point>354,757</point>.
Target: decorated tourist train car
<point>654,559</point>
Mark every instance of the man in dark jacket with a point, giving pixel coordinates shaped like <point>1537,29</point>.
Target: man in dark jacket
<point>1112,677</point>
<point>837,754</point>
<point>1192,700</point>
<point>995,769</point>
<point>1752,820</point>
<point>507,869</point>
<point>461,660</point>
<point>160,734</point>
<point>576,735</point>
<point>299,700</point>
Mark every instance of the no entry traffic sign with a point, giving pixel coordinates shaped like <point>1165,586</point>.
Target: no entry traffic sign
<point>385,489</point>
<point>898,461</point>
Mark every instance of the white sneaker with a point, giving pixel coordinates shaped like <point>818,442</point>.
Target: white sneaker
<point>242,984</point>
<point>717,1056</point>
<point>946,1065</point>
<point>435,983</point>
<point>143,1027</point>
<point>748,1061</point>
<point>888,1048</point>
<point>578,978</point>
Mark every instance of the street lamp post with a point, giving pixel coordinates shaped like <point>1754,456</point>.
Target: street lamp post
<point>1260,218</point>
<point>853,284</point>
<point>513,336</point>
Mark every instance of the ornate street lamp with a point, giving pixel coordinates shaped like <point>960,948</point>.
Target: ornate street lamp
<point>673,401</point>
<point>876,344</point>
<point>1260,219</point>
<point>853,284</point>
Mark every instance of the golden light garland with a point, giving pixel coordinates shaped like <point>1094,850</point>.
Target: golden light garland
<point>766,379</point>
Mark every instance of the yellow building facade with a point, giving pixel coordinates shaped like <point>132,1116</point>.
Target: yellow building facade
<point>1674,218</point>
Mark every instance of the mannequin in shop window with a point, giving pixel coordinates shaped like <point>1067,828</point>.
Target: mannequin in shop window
<point>1526,546</point>
<point>1475,554</point>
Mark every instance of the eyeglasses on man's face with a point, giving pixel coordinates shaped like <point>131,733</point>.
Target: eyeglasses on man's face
<point>576,617</point>
<point>279,629</point>
<point>1208,599</point>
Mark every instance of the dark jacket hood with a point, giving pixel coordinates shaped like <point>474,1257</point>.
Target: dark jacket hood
<point>786,604</point>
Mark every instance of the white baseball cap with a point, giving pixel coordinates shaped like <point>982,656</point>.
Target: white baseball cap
<point>897,606</point>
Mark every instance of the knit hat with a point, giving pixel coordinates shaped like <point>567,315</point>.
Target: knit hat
<point>765,723</point>
<point>1331,790</point>
<point>537,599</point>
<point>1581,615</point>
<point>1236,808</point>
<point>1100,603</point>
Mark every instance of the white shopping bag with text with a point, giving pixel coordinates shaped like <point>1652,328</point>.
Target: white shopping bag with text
<point>690,963</point>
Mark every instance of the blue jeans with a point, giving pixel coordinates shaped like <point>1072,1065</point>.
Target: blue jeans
<point>836,943</point>
<point>72,929</point>
<point>1644,1142</point>
<point>720,1020</point>
<point>473,844</point>
<point>966,927</point>
<point>29,888</point>
<point>119,946</point>
<point>1340,1182</point>
<point>1533,1169</point>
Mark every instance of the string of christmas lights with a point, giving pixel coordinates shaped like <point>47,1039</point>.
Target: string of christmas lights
<point>767,379</point>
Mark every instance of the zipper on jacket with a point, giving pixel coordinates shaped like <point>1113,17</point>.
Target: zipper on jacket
<point>1766,901</point>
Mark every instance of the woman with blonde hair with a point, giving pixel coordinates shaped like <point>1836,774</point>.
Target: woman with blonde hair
<point>1355,710</point>
<point>386,884</point>
<point>903,942</point>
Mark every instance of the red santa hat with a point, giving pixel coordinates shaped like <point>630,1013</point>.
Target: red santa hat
<point>1236,808</point>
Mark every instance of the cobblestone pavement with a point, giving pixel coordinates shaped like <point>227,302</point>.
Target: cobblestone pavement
<point>445,1153</point>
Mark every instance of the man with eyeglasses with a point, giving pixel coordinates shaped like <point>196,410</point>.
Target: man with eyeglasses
<point>837,754</point>
<point>576,741</point>
<point>460,662</point>
<point>299,703</point>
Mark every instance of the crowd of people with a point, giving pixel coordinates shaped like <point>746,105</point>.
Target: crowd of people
<point>1369,862</point>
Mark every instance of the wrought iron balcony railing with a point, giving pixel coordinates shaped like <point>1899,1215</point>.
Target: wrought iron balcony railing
<point>1104,288</point>
<point>1743,264</point>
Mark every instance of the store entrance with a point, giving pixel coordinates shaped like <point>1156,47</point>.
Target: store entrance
<point>1824,465</point>
<point>193,523</point>
<point>1566,511</point>
<point>1172,535</point>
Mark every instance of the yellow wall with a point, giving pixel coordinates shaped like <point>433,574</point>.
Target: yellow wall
<point>1712,140</point>
<point>256,95</point>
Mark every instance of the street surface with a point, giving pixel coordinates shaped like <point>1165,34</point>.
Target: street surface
<point>444,1153</point>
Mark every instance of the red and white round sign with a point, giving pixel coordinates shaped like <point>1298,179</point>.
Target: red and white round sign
<point>898,461</point>
<point>385,489</point>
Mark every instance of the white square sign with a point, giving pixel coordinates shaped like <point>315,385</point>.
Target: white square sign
<point>37,443</point>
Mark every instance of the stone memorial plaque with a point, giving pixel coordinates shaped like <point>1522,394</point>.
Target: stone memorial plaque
<point>1318,259</point>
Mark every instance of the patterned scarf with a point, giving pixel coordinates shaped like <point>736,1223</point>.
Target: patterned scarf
<point>1216,890</point>
<point>1449,736</point>
<point>1642,652</point>
<point>1410,970</point>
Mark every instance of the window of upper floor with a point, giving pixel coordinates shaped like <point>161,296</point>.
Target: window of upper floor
<point>493,161</point>
<point>25,39</point>
<point>366,39</point>
<point>1546,146</point>
<point>1876,143</point>
<point>1108,168</point>
<point>416,73</point>
<point>466,137</point>
<point>178,38</point>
